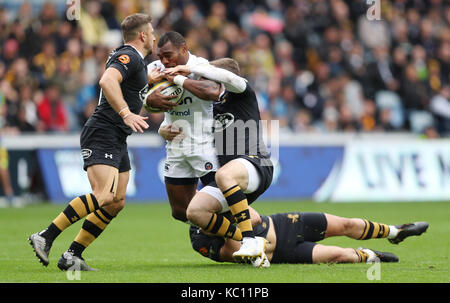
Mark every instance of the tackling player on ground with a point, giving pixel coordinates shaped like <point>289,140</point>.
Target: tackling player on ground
<point>124,85</point>
<point>292,238</point>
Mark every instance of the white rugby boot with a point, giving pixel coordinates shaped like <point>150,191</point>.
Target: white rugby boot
<point>250,250</point>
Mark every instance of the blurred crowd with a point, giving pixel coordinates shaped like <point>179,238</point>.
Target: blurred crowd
<point>316,65</point>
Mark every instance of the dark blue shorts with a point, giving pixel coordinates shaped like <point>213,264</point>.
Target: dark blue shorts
<point>296,234</point>
<point>103,146</point>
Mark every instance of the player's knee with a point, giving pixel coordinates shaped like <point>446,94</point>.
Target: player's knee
<point>117,205</point>
<point>347,225</point>
<point>191,213</point>
<point>104,199</point>
<point>179,214</point>
<point>224,176</point>
<point>178,207</point>
<point>194,212</point>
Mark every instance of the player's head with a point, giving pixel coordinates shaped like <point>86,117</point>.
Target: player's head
<point>138,28</point>
<point>207,245</point>
<point>228,64</point>
<point>172,49</point>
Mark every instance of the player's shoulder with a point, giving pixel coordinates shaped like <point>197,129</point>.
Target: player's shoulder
<point>248,95</point>
<point>194,60</point>
<point>127,57</point>
<point>126,51</point>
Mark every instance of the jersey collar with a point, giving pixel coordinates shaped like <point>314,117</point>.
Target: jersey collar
<point>191,59</point>
<point>142,56</point>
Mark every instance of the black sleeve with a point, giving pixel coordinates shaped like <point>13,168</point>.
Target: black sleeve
<point>227,95</point>
<point>126,63</point>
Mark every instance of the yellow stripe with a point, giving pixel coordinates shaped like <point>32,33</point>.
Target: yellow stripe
<point>78,207</point>
<point>94,219</point>
<point>212,222</point>
<point>90,203</point>
<point>362,255</point>
<point>223,229</point>
<point>232,191</point>
<point>84,238</point>
<point>62,222</point>
<point>98,212</point>
<point>155,87</point>
<point>386,231</point>
<point>245,225</point>
<point>237,235</point>
<point>159,84</point>
<point>376,230</point>
<point>238,207</point>
<point>366,230</point>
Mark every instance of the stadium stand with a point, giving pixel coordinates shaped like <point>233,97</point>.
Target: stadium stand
<point>318,66</point>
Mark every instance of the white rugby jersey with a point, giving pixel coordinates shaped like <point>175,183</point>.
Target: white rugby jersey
<point>193,114</point>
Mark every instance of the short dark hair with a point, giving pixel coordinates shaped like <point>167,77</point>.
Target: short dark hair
<point>175,38</point>
<point>227,63</point>
<point>132,25</point>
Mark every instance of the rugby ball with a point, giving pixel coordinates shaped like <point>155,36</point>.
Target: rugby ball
<point>169,89</point>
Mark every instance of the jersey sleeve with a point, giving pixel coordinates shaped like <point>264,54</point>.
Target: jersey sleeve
<point>225,95</point>
<point>126,63</point>
<point>232,82</point>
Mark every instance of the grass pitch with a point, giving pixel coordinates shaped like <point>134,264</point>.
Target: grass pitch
<point>145,245</point>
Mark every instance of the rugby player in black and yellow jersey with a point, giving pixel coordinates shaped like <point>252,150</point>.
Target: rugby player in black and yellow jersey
<point>292,238</point>
<point>238,103</point>
<point>124,85</point>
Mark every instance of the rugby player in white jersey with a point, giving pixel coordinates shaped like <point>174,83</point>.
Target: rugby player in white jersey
<point>246,169</point>
<point>194,157</point>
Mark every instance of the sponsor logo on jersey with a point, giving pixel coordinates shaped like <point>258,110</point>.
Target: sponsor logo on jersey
<point>208,166</point>
<point>293,217</point>
<point>125,59</point>
<point>184,101</point>
<point>222,121</point>
<point>203,250</point>
<point>143,92</point>
<point>180,113</point>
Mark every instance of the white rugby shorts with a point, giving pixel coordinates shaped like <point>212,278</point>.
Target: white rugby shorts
<point>191,165</point>
<point>254,181</point>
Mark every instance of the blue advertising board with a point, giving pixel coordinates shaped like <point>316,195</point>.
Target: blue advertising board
<point>299,172</point>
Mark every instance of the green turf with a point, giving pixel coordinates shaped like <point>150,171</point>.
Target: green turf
<point>144,244</point>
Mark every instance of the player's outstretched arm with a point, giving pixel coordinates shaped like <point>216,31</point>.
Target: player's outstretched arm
<point>232,82</point>
<point>204,89</point>
<point>110,84</point>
